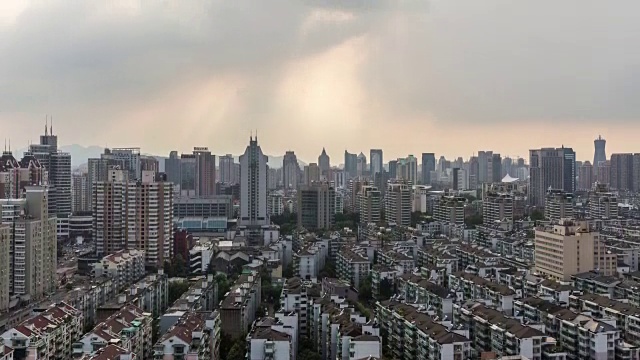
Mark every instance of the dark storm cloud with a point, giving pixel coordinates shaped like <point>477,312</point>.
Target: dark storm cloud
<point>452,60</point>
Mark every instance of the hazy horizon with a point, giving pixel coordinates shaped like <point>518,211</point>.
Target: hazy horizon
<point>449,77</point>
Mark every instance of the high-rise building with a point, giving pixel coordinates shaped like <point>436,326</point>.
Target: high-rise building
<point>569,171</point>
<point>324,162</point>
<point>311,173</point>
<point>602,203</point>
<point>5,268</point>
<point>205,172</point>
<point>350,164</point>
<point>253,186</point>
<point>15,175</point>
<point>428,165</point>
<point>398,204</point>
<point>316,206</point>
<point>494,168</point>
<point>550,168</point>
<point>449,210</point>
<point>188,174</point>
<point>98,169</point>
<point>369,199</point>
<point>149,163</point>
<point>32,243</point>
<point>462,179</point>
<point>604,173</point>
<point>570,247</point>
<point>172,167</point>
<point>474,169</point>
<point>375,162</point>
<point>393,169</point>
<point>507,167</point>
<point>227,169</point>
<point>558,205</point>
<point>130,157</point>
<point>484,157</point>
<point>290,171</point>
<point>58,167</point>
<point>362,168</point>
<point>621,171</point>
<point>80,193</point>
<point>133,215</point>
<point>585,176</point>
<point>408,169</point>
<point>272,179</point>
<point>497,206</point>
<point>600,154</point>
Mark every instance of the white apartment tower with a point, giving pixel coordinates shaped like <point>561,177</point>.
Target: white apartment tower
<point>253,186</point>
<point>32,243</point>
<point>369,199</point>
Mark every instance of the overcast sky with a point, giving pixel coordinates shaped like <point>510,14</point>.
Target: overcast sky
<point>445,76</point>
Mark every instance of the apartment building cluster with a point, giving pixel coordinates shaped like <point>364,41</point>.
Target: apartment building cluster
<point>133,214</point>
<point>238,308</point>
<point>196,335</point>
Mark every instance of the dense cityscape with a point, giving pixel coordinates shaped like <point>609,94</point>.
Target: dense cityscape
<point>198,256</point>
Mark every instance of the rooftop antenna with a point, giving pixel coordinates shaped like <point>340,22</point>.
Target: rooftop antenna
<point>51,126</point>
<point>45,125</point>
<point>9,144</point>
<point>5,144</point>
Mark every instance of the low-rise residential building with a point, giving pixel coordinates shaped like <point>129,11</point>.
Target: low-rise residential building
<point>202,295</point>
<point>124,266</point>
<point>238,308</point>
<point>401,260</point>
<point>310,259</point>
<point>6,353</point>
<point>110,352</point>
<point>352,266</point>
<point>267,341</point>
<point>130,328</point>
<point>294,298</point>
<point>411,334</point>
<point>192,337</point>
<point>48,335</point>
<point>472,287</point>
<point>435,299</point>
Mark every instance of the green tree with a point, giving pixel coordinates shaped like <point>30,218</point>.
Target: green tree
<point>386,289</point>
<point>537,215</point>
<point>224,285</point>
<point>238,350</point>
<point>364,290</point>
<point>288,272</point>
<point>176,289</point>
<point>473,220</point>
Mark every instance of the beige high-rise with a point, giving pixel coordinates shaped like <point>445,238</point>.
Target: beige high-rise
<point>5,247</point>
<point>133,215</point>
<point>32,244</point>
<point>571,247</point>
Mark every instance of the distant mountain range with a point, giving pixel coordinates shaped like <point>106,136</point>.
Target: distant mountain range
<point>80,155</point>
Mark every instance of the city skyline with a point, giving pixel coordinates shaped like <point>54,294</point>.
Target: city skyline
<point>335,74</point>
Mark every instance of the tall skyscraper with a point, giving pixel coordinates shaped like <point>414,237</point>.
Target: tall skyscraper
<point>375,164</point>
<point>484,157</point>
<point>130,157</point>
<point>149,163</point>
<point>80,193</point>
<point>58,166</point>
<point>98,169</point>
<point>569,176</point>
<point>324,162</point>
<point>585,176</point>
<point>428,165</point>
<point>408,169</point>
<point>311,173</point>
<point>253,186</point>
<point>350,164</point>
<point>205,172</point>
<point>547,171</point>
<point>316,206</point>
<point>227,169</point>
<point>621,171</point>
<point>290,171</point>
<point>32,243</point>
<point>393,169</point>
<point>494,168</point>
<point>133,214</point>
<point>362,167</point>
<point>600,153</point>
<point>172,167</point>
<point>474,169</point>
<point>188,174</point>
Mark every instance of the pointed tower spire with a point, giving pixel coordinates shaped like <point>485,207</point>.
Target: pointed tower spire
<point>46,123</point>
<point>51,126</point>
